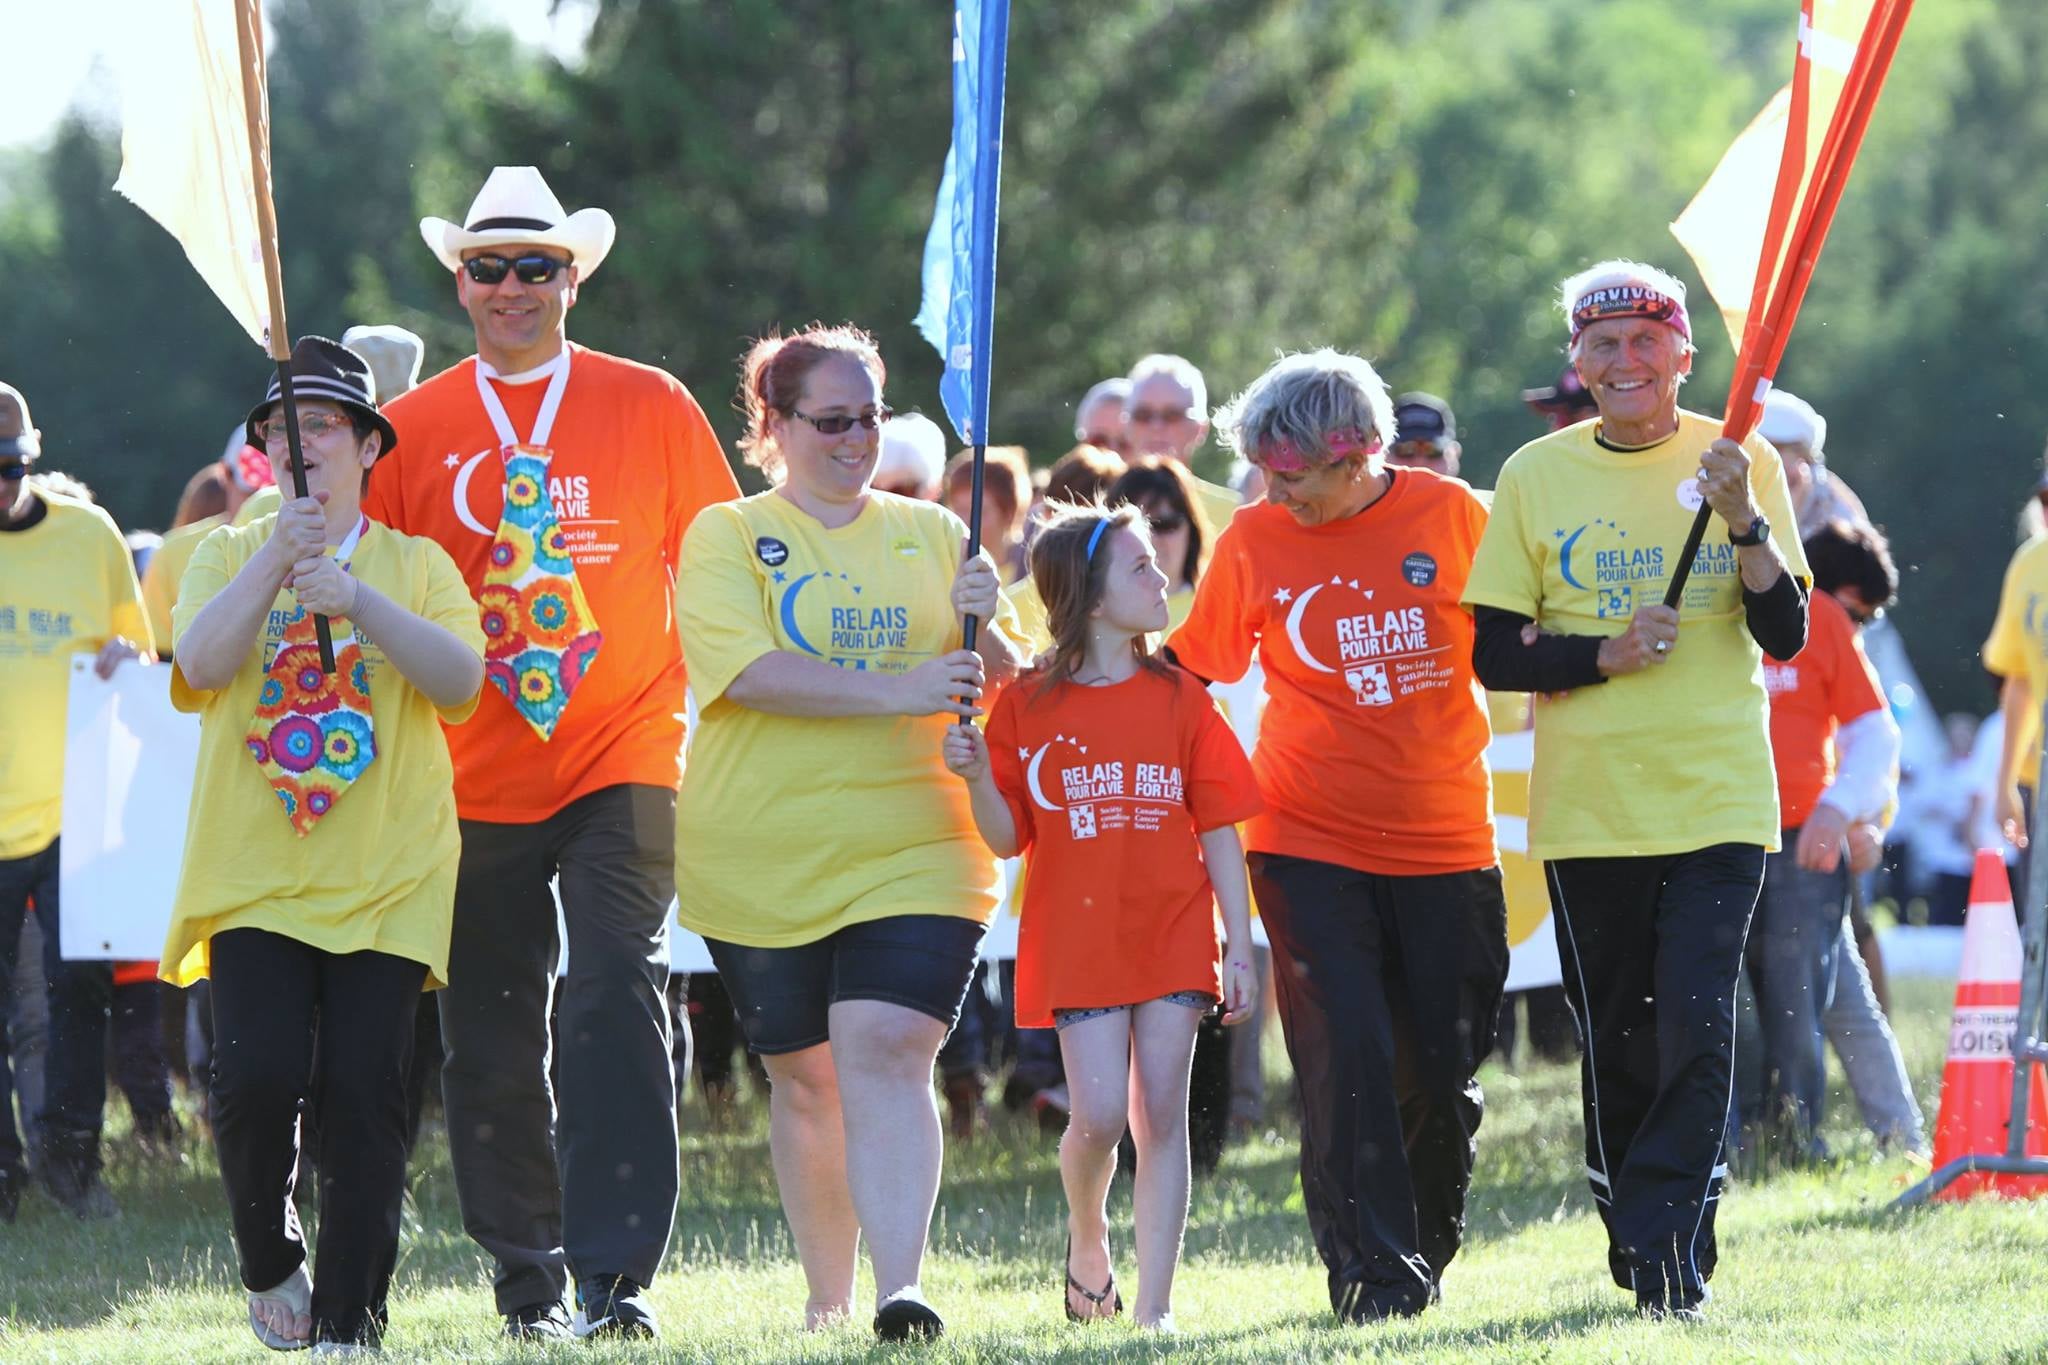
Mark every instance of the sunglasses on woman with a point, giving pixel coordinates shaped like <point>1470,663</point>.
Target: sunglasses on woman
<point>838,424</point>
<point>1165,523</point>
<point>533,268</point>
<point>312,426</point>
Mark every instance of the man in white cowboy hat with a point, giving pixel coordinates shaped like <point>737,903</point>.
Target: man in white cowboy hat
<point>561,481</point>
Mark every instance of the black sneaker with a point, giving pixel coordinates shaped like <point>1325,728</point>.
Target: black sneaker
<point>614,1306</point>
<point>1676,1307</point>
<point>540,1322</point>
<point>77,1188</point>
<point>906,1317</point>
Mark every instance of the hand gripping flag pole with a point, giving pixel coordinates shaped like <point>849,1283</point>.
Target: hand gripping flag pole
<point>256,109</point>
<point>1772,313</point>
<point>958,313</point>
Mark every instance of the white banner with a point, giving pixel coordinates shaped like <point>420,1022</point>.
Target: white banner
<point>128,765</point>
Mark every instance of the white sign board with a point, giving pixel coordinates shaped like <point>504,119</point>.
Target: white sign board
<point>128,765</point>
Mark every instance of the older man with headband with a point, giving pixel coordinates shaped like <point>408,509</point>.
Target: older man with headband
<point>1653,801</point>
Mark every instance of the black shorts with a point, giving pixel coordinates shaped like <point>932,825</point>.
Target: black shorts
<point>783,995</point>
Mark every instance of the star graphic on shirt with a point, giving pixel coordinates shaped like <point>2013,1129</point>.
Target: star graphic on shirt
<point>1084,748</point>
<point>781,577</point>
<point>1282,595</point>
<point>856,590</point>
<point>452,460</point>
<point>1023,752</point>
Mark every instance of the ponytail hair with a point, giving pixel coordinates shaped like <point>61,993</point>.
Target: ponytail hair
<point>772,376</point>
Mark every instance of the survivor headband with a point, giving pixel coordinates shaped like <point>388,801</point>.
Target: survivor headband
<point>22,447</point>
<point>1629,301</point>
<point>1288,457</point>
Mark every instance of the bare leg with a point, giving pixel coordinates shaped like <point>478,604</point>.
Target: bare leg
<point>808,1147</point>
<point>1098,1056</point>
<point>883,1054</point>
<point>1162,1047</point>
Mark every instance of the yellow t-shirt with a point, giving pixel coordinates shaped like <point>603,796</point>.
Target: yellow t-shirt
<point>378,871</point>
<point>1219,505</point>
<point>791,828</point>
<point>2018,644</point>
<point>166,568</point>
<point>1675,757</point>
<point>261,503</point>
<point>67,586</point>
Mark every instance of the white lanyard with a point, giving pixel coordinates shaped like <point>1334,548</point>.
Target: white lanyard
<point>550,403</point>
<point>347,549</point>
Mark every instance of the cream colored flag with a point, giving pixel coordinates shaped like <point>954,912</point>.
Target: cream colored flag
<point>185,144</point>
<point>1722,229</point>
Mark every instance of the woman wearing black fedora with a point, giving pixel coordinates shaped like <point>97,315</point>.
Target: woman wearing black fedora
<point>321,849</point>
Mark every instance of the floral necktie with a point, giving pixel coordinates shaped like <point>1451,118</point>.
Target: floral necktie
<point>312,735</point>
<point>540,636</point>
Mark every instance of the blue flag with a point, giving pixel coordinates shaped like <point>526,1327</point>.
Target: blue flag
<point>958,315</point>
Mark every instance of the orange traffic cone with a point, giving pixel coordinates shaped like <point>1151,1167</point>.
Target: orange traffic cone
<point>1976,1085</point>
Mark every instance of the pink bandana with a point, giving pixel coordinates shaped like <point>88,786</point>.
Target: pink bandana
<point>1286,457</point>
<point>251,469</point>
<point>1630,301</point>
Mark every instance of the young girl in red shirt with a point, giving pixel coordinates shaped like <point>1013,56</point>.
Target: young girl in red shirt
<point>1113,769</point>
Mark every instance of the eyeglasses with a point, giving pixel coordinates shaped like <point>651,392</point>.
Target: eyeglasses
<point>1160,415</point>
<point>535,268</point>
<point>1862,616</point>
<point>838,424</point>
<point>312,426</point>
<point>1416,450</point>
<point>14,470</point>
<point>1166,523</point>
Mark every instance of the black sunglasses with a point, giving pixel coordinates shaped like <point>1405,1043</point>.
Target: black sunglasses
<point>838,425</point>
<point>14,470</point>
<point>1166,523</point>
<point>534,268</point>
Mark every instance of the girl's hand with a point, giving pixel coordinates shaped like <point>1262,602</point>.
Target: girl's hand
<point>1240,985</point>
<point>977,588</point>
<point>966,752</point>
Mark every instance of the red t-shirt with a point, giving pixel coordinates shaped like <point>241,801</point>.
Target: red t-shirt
<point>1372,751</point>
<point>1110,787</point>
<point>634,462</point>
<point>1826,685</point>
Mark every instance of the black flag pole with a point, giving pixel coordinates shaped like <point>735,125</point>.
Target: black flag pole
<point>970,624</point>
<point>256,100</point>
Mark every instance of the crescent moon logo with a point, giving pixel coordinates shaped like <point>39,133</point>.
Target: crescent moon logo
<point>1031,779</point>
<point>1564,559</point>
<point>1294,630</point>
<point>462,512</point>
<point>789,625</point>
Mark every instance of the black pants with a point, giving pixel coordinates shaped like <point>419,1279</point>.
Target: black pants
<point>1389,989</point>
<point>284,1012</point>
<point>1651,948</point>
<point>141,1068</point>
<point>81,998</point>
<point>588,1188</point>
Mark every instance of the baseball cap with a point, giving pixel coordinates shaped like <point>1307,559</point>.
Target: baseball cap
<point>1423,417</point>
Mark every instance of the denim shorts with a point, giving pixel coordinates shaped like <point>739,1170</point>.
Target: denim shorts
<point>1194,1000</point>
<point>784,995</point>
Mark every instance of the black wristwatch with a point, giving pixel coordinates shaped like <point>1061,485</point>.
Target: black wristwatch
<point>1759,532</point>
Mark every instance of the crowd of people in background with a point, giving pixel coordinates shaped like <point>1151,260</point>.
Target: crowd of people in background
<point>1722,792</point>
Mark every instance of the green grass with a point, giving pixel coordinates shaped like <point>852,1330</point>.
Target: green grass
<point>1813,1266</point>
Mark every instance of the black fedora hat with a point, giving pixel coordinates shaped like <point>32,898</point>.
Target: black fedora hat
<point>331,372</point>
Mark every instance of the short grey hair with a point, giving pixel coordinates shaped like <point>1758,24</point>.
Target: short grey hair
<point>1304,397</point>
<point>1118,388</point>
<point>1180,370</point>
<point>1608,275</point>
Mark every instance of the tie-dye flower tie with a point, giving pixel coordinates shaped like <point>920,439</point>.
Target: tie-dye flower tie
<point>539,633</point>
<point>312,735</point>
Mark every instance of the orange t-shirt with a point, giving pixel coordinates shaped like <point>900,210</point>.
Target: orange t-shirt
<point>1826,685</point>
<point>634,462</point>
<point>1109,787</point>
<point>1372,751</point>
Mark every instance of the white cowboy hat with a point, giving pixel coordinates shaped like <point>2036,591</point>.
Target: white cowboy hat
<point>516,207</point>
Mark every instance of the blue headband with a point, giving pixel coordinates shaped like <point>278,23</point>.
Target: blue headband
<point>1095,538</point>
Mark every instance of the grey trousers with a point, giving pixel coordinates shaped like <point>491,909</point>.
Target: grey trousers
<point>1869,1053</point>
<point>584,1183</point>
